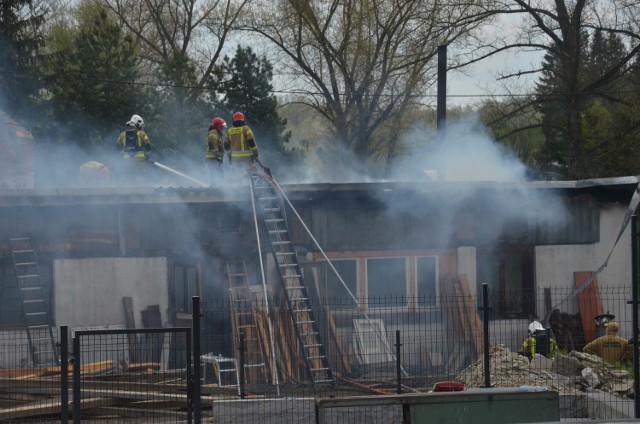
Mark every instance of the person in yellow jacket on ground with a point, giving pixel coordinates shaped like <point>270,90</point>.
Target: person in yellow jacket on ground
<point>538,341</point>
<point>611,347</point>
<point>214,153</point>
<point>135,146</point>
<point>240,145</point>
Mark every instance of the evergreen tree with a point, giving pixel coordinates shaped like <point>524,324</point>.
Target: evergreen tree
<point>20,42</point>
<point>244,83</point>
<point>177,136</point>
<point>92,78</point>
<point>607,144</point>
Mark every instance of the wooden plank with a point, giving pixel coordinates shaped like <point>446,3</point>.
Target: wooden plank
<point>130,323</point>
<point>589,302</point>
<point>153,319</point>
<point>20,372</point>
<point>473,315</point>
<point>51,406</point>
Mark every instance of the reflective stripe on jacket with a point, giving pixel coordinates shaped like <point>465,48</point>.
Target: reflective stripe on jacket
<point>239,140</point>
<point>133,144</point>
<point>214,149</point>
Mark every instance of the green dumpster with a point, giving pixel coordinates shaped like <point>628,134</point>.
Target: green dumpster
<point>473,406</point>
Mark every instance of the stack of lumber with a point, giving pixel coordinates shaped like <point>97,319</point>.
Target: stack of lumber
<point>107,392</point>
<point>461,320</point>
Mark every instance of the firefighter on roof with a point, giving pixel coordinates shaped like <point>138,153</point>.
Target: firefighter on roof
<point>240,145</point>
<point>94,173</point>
<point>135,146</point>
<point>215,148</point>
<point>133,141</point>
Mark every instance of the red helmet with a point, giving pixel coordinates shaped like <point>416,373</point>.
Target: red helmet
<point>218,123</point>
<point>238,116</point>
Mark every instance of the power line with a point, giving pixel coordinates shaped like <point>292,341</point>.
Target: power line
<point>318,93</point>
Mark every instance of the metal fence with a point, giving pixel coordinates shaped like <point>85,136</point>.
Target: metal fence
<point>391,345</point>
<point>253,369</point>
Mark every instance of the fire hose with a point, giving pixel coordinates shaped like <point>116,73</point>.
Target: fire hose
<point>166,168</point>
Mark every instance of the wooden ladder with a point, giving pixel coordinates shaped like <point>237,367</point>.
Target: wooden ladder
<point>246,319</point>
<point>272,212</point>
<point>34,303</point>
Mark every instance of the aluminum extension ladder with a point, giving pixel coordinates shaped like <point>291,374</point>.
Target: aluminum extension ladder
<point>272,212</point>
<point>34,303</point>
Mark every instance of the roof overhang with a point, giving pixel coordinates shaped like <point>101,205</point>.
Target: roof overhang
<point>299,192</point>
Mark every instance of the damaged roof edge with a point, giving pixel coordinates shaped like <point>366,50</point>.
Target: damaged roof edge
<point>142,195</point>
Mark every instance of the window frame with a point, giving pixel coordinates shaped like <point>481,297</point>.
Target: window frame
<point>407,280</point>
<point>323,293</point>
<point>436,303</point>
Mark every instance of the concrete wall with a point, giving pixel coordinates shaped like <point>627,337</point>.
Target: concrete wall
<point>555,265</point>
<point>89,292</point>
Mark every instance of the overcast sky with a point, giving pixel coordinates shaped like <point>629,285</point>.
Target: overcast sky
<point>482,78</point>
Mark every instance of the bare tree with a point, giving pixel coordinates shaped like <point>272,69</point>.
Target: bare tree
<point>360,63</point>
<point>179,41</point>
<point>561,29</point>
<point>195,30</point>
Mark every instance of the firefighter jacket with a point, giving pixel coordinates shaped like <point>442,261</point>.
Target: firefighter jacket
<point>134,144</point>
<point>611,348</point>
<point>240,143</point>
<point>529,345</point>
<point>214,147</point>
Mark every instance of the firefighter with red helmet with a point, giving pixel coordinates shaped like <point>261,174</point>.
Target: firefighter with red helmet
<point>240,145</point>
<point>215,148</point>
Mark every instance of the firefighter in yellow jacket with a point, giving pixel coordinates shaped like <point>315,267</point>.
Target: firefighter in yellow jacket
<point>214,151</point>
<point>611,347</point>
<point>135,146</point>
<point>532,344</point>
<point>240,145</point>
<point>94,173</point>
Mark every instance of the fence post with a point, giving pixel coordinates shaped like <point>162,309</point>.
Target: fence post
<point>76,380</point>
<point>485,333</point>
<point>196,381</point>
<point>634,309</point>
<point>241,365</point>
<point>398,365</point>
<point>64,374</point>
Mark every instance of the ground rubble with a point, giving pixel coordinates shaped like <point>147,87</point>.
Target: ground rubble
<point>570,374</point>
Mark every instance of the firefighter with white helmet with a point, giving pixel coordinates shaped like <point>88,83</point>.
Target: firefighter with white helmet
<point>133,141</point>
<point>135,146</point>
<point>538,341</point>
<point>214,152</point>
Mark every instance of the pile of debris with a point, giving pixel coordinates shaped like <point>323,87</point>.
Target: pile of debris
<point>567,374</point>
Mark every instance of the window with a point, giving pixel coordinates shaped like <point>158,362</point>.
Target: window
<point>508,273</point>
<point>386,281</point>
<point>185,286</point>
<point>426,277</point>
<point>332,289</point>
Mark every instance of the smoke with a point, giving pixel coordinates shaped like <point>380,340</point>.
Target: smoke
<point>478,181</point>
<point>466,153</point>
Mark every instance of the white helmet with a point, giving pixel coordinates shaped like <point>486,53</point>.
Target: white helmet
<point>535,326</point>
<point>136,121</point>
